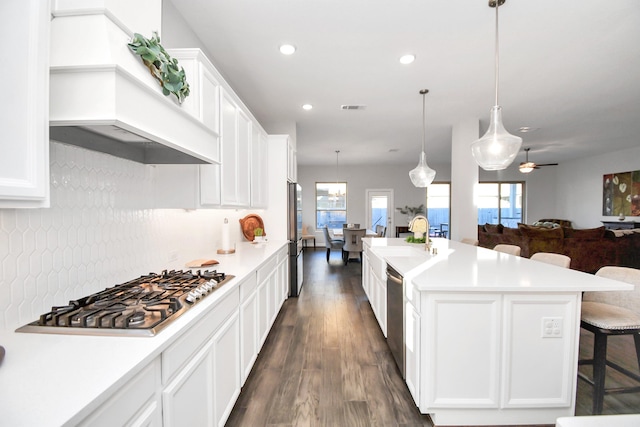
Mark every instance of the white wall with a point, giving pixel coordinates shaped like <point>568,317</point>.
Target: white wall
<point>579,186</point>
<point>359,179</point>
<point>540,185</point>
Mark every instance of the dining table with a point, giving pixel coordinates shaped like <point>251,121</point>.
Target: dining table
<point>338,232</point>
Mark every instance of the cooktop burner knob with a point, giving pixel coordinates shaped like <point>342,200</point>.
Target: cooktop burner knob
<point>191,297</point>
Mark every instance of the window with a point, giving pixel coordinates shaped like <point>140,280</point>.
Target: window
<point>500,203</point>
<point>331,204</point>
<point>438,204</point>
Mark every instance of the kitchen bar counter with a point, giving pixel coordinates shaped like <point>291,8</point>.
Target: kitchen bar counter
<point>461,267</point>
<point>57,380</point>
<point>490,338</point>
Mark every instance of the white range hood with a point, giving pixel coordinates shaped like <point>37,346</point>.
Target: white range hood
<point>102,97</point>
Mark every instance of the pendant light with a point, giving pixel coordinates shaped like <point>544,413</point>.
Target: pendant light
<point>422,175</point>
<point>497,149</point>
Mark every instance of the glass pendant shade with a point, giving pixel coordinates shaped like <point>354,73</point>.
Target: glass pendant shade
<point>422,176</point>
<point>497,149</point>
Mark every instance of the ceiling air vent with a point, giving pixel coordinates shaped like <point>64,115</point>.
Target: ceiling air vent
<point>353,107</point>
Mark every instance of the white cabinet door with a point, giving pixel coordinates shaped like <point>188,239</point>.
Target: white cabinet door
<point>24,162</point>
<point>236,154</point>
<point>226,369</point>
<point>243,160</point>
<point>263,311</point>
<point>259,168</point>
<point>292,162</point>
<point>188,399</point>
<point>412,351</point>
<point>283,276</point>
<point>249,334</point>
<point>135,404</point>
<point>229,130</point>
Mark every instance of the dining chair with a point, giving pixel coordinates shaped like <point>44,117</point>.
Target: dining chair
<point>381,230</point>
<point>605,314</point>
<point>472,242</point>
<point>352,243</point>
<point>551,258</point>
<point>444,230</point>
<point>330,242</point>
<point>508,249</point>
<point>306,236</point>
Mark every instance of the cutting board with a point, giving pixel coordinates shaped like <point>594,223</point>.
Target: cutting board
<point>203,262</point>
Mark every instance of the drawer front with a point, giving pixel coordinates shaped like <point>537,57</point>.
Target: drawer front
<point>248,286</point>
<point>174,357</point>
<point>134,401</point>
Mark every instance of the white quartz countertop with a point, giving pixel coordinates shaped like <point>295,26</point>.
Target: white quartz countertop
<point>57,380</point>
<point>462,267</point>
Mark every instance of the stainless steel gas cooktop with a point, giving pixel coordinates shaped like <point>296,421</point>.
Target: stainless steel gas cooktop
<point>141,307</point>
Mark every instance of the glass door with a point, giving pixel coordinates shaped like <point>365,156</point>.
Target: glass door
<point>380,210</point>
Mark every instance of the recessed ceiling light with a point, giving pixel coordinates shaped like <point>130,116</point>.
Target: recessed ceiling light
<point>407,59</point>
<point>287,49</point>
<point>307,107</point>
<point>526,129</point>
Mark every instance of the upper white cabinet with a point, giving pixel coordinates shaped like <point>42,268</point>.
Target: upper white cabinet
<point>292,161</point>
<point>236,140</point>
<point>259,168</point>
<point>203,101</point>
<point>24,163</point>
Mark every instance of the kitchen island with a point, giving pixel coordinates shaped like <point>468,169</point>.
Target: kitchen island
<point>190,373</point>
<point>489,338</point>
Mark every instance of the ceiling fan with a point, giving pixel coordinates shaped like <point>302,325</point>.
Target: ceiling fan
<point>527,166</point>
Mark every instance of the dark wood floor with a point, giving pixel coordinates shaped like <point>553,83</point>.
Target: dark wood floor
<point>326,363</point>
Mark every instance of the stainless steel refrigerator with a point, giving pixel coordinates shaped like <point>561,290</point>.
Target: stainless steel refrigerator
<point>295,238</point>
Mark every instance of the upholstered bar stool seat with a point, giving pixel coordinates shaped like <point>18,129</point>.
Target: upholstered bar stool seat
<point>611,313</point>
<point>508,249</point>
<point>551,258</point>
<point>607,316</point>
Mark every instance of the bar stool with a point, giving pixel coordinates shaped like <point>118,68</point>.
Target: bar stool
<point>508,249</point>
<point>611,313</point>
<point>551,258</point>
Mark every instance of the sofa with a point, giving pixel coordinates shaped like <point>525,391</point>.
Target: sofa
<point>589,249</point>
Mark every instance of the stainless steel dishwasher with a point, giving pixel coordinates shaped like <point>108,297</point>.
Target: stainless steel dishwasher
<point>395,316</point>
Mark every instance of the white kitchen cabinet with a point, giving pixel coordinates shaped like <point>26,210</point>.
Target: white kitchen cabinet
<point>236,140</point>
<point>375,286</point>
<point>259,168</point>
<point>137,403</point>
<point>188,399</point>
<point>226,369</point>
<point>198,390</point>
<point>248,325</point>
<point>292,161</point>
<point>24,163</point>
<point>283,275</point>
<point>378,298</point>
<point>266,276</point>
<point>412,351</point>
<point>203,101</point>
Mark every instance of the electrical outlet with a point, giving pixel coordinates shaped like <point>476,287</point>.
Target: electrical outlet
<point>552,327</point>
<point>173,256</point>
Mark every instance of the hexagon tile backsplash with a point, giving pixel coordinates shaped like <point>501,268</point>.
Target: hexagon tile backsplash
<point>101,230</point>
